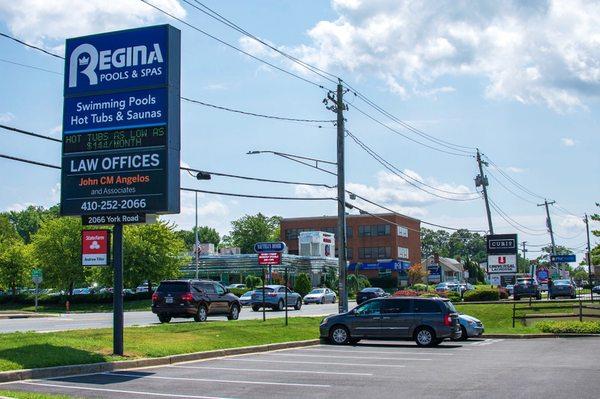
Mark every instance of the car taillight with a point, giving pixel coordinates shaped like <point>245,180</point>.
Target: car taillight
<point>187,297</point>
<point>448,320</point>
<point>154,297</point>
<point>272,294</point>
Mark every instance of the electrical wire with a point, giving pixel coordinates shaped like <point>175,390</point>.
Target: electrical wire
<point>514,182</point>
<point>28,133</point>
<point>508,189</point>
<point>513,223</point>
<point>402,175</point>
<point>47,165</point>
<point>30,66</point>
<point>223,42</point>
<point>259,196</point>
<point>31,45</point>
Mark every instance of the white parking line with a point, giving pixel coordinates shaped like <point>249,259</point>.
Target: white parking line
<point>486,342</point>
<point>350,357</point>
<point>313,363</point>
<point>158,377</point>
<point>270,371</point>
<point>168,395</point>
<point>390,352</point>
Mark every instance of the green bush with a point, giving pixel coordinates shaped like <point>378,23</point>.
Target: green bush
<point>238,291</point>
<point>453,296</point>
<point>487,294</point>
<point>432,295</point>
<point>569,327</point>
<point>303,284</point>
<point>253,281</point>
<point>418,287</point>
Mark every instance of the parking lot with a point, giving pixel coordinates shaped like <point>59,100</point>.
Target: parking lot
<point>490,368</point>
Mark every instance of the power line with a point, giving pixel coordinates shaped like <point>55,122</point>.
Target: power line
<point>234,47</point>
<point>508,189</point>
<point>402,175</point>
<point>512,222</point>
<point>514,182</point>
<point>29,66</point>
<point>259,196</point>
<point>47,165</point>
<point>28,133</point>
<point>31,46</point>
<point>255,114</point>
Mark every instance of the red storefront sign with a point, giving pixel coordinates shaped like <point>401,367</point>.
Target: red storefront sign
<point>269,258</point>
<point>95,247</point>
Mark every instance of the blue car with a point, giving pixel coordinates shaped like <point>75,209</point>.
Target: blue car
<point>246,298</point>
<point>275,298</point>
<point>470,327</point>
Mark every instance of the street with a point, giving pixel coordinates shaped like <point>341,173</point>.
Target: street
<point>490,368</point>
<point>76,321</point>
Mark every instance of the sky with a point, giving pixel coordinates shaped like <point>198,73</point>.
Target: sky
<point>518,80</point>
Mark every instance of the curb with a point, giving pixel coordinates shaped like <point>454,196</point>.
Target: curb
<point>533,336</point>
<point>26,315</point>
<point>63,371</point>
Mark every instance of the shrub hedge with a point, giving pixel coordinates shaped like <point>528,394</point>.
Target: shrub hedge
<point>484,294</point>
<point>566,327</point>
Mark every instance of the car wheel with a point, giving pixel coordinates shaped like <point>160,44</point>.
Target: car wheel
<point>298,305</point>
<point>464,336</point>
<point>164,319</point>
<point>425,336</point>
<point>339,335</point>
<point>201,314</point>
<point>255,308</point>
<point>234,313</point>
<point>280,305</point>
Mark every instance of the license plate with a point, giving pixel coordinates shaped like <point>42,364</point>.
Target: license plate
<point>168,300</point>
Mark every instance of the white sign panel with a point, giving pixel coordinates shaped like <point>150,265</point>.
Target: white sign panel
<point>502,264</point>
<point>495,280</point>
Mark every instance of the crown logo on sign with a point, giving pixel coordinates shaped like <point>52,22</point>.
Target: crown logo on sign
<point>84,60</point>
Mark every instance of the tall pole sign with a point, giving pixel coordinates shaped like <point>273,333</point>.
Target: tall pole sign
<point>121,134</point>
<point>502,256</point>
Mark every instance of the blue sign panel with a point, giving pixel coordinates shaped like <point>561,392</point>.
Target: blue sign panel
<point>121,123</point>
<point>117,60</point>
<point>269,247</point>
<point>434,270</point>
<point>120,110</point>
<point>562,258</point>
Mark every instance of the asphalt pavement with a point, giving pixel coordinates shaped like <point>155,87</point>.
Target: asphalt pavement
<point>487,368</point>
<point>76,321</point>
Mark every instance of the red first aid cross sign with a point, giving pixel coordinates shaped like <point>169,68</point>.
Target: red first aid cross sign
<point>95,247</point>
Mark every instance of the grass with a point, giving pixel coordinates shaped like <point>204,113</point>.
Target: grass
<point>135,305</point>
<point>29,349</point>
<point>31,395</point>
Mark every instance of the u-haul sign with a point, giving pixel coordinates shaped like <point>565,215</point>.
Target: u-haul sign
<point>502,264</point>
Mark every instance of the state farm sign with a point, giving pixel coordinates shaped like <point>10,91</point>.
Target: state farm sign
<point>502,264</point>
<point>95,247</point>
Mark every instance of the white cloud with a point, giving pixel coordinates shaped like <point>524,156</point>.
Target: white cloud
<point>47,23</point>
<point>214,213</point>
<point>531,52</point>
<point>514,169</point>
<point>568,142</point>
<point>6,117</point>
<point>392,192</point>
<point>55,131</point>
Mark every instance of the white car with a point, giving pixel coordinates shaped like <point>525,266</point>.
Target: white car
<point>320,295</point>
<point>236,286</point>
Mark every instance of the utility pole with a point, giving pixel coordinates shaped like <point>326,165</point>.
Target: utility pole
<point>338,107</point>
<point>549,225</point>
<point>589,256</point>
<point>482,180</point>
<point>196,243</point>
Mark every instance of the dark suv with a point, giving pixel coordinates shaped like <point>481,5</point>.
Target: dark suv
<point>369,293</point>
<point>527,287</point>
<point>428,321</point>
<point>194,298</point>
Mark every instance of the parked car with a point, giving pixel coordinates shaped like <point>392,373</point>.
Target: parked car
<point>275,298</point>
<point>562,288</point>
<point>142,287</point>
<point>246,298</point>
<point>470,327</point>
<point>369,293</point>
<point>447,286</point>
<point>236,286</point>
<point>510,288</point>
<point>466,287</point>
<point>527,287</point>
<point>320,295</point>
<point>596,289</point>
<point>82,291</point>
<point>194,298</point>
<point>427,321</point>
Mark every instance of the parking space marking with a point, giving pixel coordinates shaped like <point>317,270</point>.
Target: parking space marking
<point>351,357</point>
<point>271,371</point>
<point>168,395</point>
<point>390,352</point>
<point>486,342</point>
<point>315,363</point>
<point>158,377</point>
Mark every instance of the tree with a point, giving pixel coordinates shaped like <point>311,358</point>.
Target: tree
<point>7,230</point>
<point>205,235</point>
<point>28,221</point>
<point>57,250</point>
<point>251,229</point>
<point>416,274</point>
<point>303,284</point>
<point>15,265</point>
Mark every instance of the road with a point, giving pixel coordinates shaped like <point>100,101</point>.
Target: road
<point>76,321</point>
<point>491,368</point>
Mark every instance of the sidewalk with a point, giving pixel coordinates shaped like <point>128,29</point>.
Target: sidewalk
<point>7,314</point>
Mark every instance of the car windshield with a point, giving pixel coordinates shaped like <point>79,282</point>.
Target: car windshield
<point>174,287</point>
<point>265,288</point>
<point>317,291</point>
<point>370,290</point>
<point>562,282</point>
<point>525,281</point>
<point>247,294</point>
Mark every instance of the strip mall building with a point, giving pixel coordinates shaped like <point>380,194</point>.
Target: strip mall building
<point>376,248</point>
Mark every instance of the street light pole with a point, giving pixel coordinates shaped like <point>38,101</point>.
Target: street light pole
<point>589,257</point>
<point>196,243</point>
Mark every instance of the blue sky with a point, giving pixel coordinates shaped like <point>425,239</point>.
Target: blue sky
<point>519,82</point>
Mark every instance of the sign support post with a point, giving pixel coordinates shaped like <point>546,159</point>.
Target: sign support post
<point>118,290</point>
<point>37,286</point>
<point>36,276</point>
<point>286,295</point>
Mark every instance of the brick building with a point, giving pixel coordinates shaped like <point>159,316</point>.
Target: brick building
<point>375,247</point>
